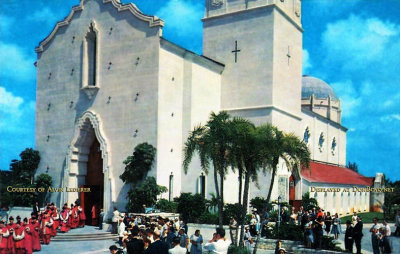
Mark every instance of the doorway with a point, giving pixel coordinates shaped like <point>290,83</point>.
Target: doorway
<point>94,180</point>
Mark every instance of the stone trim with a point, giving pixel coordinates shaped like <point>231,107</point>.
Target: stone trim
<point>152,20</point>
<point>272,107</point>
<point>75,149</point>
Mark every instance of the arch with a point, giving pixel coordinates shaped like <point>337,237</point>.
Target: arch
<point>87,128</point>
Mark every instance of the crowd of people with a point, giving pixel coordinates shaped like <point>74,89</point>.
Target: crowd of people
<point>316,223</point>
<point>160,235</point>
<point>25,236</point>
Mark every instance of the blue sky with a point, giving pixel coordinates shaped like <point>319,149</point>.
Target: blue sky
<point>351,44</point>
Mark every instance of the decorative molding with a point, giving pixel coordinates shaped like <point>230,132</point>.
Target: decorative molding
<point>152,20</point>
<point>90,91</point>
<point>217,3</point>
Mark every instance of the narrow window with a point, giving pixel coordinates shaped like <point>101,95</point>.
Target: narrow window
<point>171,187</point>
<point>91,42</point>
<point>203,185</point>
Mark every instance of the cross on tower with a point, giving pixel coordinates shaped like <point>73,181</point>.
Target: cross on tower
<point>236,51</point>
<point>288,54</point>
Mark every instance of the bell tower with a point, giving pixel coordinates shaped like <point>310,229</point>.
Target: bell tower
<point>260,43</point>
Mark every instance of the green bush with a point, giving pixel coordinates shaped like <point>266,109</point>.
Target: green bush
<point>190,206</point>
<point>259,203</point>
<point>329,243</point>
<point>238,250</point>
<point>144,194</point>
<point>208,218</point>
<point>167,206</point>
<point>232,210</point>
<point>286,232</point>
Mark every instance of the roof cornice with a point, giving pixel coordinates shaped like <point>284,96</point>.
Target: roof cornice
<point>152,20</point>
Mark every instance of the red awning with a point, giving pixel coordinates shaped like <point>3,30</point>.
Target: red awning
<point>324,173</point>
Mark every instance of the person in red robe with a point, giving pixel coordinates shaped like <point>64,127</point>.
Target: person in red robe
<point>74,216</point>
<point>28,237</point>
<point>82,216</point>
<point>4,235</point>
<point>95,216</point>
<point>19,235</point>
<point>34,229</point>
<point>46,228</point>
<point>11,227</point>
<point>64,217</point>
<point>55,217</point>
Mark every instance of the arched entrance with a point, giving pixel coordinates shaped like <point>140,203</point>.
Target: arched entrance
<point>87,166</point>
<point>94,180</point>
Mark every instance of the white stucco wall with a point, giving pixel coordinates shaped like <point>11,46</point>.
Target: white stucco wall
<point>121,80</point>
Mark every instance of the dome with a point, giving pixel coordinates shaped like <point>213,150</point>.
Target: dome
<point>318,87</point>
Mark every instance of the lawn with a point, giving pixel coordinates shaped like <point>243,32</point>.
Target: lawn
<point>366,217</point>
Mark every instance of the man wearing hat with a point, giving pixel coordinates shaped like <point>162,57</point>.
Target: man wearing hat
<point>19,235</point>
<point>11,227</point>
<point>34,229</point>
<point>357,234</point>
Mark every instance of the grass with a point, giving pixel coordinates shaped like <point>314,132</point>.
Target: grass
<point>366,217</point>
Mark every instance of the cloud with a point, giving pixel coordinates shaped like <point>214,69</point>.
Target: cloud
<point>306,61</point>
<point>359,56</point>
<point>15,63</point>
<point>183,22</point>
<point>44,15</point>
<point>17,126</point>
<point>357,41</point>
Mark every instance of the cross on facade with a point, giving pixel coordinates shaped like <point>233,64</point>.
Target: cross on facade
<point>236,51</point>
<point>288,54</point>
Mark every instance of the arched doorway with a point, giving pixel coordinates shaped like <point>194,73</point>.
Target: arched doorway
<point>293,196</point>
<point>87,165</point>
<point>94,180</point>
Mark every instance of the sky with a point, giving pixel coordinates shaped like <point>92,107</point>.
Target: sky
<point>351,44</point>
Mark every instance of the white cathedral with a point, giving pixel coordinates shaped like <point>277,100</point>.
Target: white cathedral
<point>107,81</point>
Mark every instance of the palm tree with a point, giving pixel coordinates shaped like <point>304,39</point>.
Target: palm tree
<point>240,130</point>
<point>212,143</point>
<point>293,151</point>
<point>256,150</point>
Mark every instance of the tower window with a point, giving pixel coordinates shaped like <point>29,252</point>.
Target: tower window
<point>171,187</point>
<point>91,56</point>
<point>306,135</point>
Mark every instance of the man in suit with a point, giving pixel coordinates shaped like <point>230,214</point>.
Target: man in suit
<point>36,209</point>
<point>357,234</point>
<point>157,247</point>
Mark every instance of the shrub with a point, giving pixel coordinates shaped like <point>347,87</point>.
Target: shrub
<point>259,203</point>
<point>238,250</point>
<point>167,206</point>
<point>286,232</point>
<point>144,194</point>
<point>190,206</point>
<point>232,210</point>
<point>208,218</point>
<point>329,243</point>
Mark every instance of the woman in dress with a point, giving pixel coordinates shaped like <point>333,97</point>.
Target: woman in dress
<point>196,240</point>
<point>253,222</point>
<point>308,228</point>
<point>336,226</point>
<point>328,223</point>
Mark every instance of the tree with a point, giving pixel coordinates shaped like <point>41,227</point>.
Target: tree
<point>43,181</point>
<point>290,148</point>
<point>309,203</point>
<point>211,142</point>
<point>144,194</point>
<point>353,166</point>
<point>137,165</point>
<point>391,198</point>
<point>24,169</point>
<point>22,175</point>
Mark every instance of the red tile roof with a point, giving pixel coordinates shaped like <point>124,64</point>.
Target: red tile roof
<point>325,173</point>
